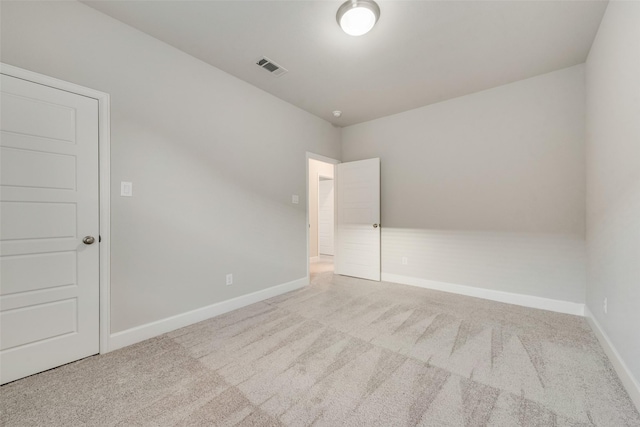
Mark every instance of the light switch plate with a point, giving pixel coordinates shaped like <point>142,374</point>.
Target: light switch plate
<point>295,199</point>
<point>126,189</point>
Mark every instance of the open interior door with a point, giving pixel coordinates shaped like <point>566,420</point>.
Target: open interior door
<point>358,219</point>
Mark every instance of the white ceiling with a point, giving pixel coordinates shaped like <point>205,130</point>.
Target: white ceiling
<point>419,53</point>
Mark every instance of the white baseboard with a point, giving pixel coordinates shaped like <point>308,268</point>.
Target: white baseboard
<point>559,306</point>
<point>159,327</point>
<point>629,382</point>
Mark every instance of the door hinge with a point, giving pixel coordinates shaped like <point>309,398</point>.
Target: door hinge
<point>99,238</point>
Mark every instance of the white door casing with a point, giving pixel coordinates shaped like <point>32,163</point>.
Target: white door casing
<point>357,250</point>
<point>325,217</point>
<point>49,201</point>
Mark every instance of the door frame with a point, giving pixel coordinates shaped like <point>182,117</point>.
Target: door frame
<point>325,159</point>
<point>104,183</point>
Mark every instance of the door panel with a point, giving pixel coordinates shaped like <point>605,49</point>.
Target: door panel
<point>22,326</point>
<point>358,238</point>
<point>23,273</point>
<point>50,120</point>
<point>33,220</point>
<point>49,294</point>
<point>26,168</point>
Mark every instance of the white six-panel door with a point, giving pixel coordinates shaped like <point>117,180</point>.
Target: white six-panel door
<point>49,278</point>
<point>325,217</point>
<point>358,222</point>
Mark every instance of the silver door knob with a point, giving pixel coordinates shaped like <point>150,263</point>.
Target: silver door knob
<point>88,240</point>
<point>375,225</point>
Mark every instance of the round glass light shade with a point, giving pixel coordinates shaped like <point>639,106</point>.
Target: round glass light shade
<point>357,17</point>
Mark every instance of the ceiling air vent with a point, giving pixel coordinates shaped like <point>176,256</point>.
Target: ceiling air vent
<point>271,66</point>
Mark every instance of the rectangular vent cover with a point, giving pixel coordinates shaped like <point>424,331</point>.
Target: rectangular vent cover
<point>272,67</point>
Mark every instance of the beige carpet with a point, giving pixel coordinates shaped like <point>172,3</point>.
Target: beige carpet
<point>342,352</point>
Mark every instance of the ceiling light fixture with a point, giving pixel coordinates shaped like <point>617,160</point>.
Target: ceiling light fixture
<point>357,17</point>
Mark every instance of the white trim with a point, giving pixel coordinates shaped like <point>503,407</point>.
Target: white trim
<point>318,213</point>
<point>104,108</point>
<point>559,306</point>
<point>627,379</point>
<point>314,156</point>
<point>321,158</point>
<point>314,258</point>
<point>159,327</point>
<point>104,147</point>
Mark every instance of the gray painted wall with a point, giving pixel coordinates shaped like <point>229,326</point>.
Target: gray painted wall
<point>613,179</point>
<point>486,190</point>
<point>213,161</point>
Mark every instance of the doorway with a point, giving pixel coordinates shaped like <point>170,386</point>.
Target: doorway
<point>353,188</point>
<point>326,216</point>
<point>321,215</point>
